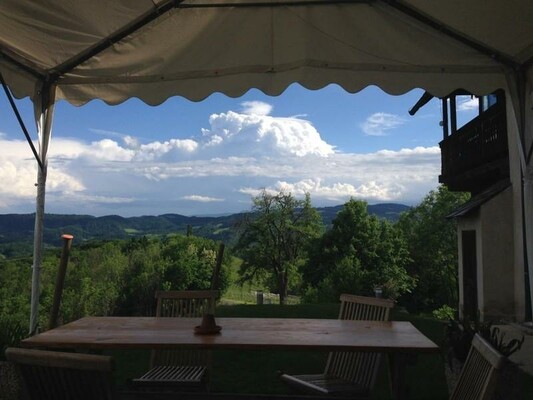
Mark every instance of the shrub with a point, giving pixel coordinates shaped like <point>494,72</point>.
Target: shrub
<point>11,333</point>
<point>444,313</point>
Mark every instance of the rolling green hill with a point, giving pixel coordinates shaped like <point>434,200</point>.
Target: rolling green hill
<point>17,229</point>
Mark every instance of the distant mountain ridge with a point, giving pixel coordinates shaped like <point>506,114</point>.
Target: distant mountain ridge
<point>19,227</point>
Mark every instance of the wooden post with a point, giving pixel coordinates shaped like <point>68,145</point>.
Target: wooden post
<point>445,131</point>
<point>453,114</point>
<point>60,280</point>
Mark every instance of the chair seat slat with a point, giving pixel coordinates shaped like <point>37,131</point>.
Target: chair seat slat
<point>170,373</point>
<point>326,384</point>
<point>180,366</point>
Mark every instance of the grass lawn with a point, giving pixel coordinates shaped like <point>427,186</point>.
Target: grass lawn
<point>256,371</point>
<point>239,294</point>
<point>245,293</point>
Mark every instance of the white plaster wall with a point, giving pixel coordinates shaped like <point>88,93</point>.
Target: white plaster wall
<point>496,270</point>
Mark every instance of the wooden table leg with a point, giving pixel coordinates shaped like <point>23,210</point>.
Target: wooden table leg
<point>398,362</point>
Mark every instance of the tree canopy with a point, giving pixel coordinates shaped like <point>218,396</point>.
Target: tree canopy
<point>117,277</point>
<point>432,245</point>
<point>360,252</point>
<point>274,239</point>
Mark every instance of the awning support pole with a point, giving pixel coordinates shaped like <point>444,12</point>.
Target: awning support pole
<point>21,122</point>
<point>37,251</point>
<point>44,112</point>
<point>527,134</point>
<point>521,89</point>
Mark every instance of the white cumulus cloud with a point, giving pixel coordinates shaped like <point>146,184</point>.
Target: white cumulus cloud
<point>201,199</point>
<point>86,198</point>
<point>18,173</point>
<point>232,133</point>
<point>337,191</point>
<point>379,124</point>
<point>468,104</point>
<point>172,147</point>
<point>256,108</point>
<point>110,150</point>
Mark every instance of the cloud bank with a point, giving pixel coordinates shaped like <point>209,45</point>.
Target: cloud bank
<point>233,158</point>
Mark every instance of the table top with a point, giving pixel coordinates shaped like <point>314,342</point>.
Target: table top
<point>237,333</point>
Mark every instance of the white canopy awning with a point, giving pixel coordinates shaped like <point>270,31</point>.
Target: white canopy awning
<point>114,50</point>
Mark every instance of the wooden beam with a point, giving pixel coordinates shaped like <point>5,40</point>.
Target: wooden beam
<point>453,114</point>
<point>445,131</point>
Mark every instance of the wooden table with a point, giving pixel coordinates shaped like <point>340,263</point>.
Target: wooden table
<point>396,338</point>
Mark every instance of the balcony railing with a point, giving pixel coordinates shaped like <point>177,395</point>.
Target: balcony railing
<point>474,149</point>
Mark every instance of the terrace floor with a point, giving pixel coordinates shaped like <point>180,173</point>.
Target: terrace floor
<point>524,357</point>
<point>218,396</point>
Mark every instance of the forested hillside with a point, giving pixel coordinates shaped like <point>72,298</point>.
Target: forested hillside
<point>16,230</point>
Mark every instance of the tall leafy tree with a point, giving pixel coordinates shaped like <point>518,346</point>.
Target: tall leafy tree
<point>357,254</point>
<point>144,275</point>
<point>432,242</point>
<point>275,237</point>
<point>190,263</point>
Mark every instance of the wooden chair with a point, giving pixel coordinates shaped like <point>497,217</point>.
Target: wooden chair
<point>480,373</point>
<point>52,375</point>
<point>174,368</point>
<point>347,373</point>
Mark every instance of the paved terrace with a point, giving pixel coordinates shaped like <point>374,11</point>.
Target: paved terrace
<point>524,357</point>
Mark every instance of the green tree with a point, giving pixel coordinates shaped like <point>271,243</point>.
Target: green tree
<point>191,261</point>
<point>144,275</point>
<point>15,290</point>
<point>432,243</point>
<point>94,282</point>
<point>275,237</point>
<point>110,277</point>
<point>357,254</point>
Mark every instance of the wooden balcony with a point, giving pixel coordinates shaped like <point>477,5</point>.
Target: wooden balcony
<point>477,155</point>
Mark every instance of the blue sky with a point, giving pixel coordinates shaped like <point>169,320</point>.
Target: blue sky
<point>211,157</point>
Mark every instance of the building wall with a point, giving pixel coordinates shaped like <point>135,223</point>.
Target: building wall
<point>498,262</point>
<point>495,258</point>
<point>499,241</point>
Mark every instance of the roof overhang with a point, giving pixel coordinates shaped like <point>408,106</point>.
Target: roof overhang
<point>477,201</point>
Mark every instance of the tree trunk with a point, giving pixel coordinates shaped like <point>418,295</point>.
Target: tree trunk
<point>282,288</point>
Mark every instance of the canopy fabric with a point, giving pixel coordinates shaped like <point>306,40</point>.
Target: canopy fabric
<point>194,48</point>
<point>113,50</point>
